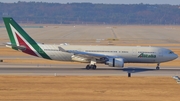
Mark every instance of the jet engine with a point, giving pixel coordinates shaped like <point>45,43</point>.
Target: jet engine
<point>115,62</point>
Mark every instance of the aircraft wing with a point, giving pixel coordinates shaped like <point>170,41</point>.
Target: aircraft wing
<point>84,54</point>
<point>87,55</point>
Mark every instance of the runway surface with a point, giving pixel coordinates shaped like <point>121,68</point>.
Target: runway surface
<point>79,70</point>
<point>100,34</point>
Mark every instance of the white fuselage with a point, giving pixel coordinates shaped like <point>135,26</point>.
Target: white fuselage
<point>114,56</point>
<point>130,54</point>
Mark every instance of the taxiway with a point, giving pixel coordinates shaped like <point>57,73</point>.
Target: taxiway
<point>79,70</point>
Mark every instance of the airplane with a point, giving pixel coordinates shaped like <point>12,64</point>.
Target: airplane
<point>114,56</point>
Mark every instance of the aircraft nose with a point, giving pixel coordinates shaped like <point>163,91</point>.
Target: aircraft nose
<point>176,56</point>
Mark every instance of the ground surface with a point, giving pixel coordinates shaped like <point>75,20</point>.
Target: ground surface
<point>88,88</point>
<point>102,34</point>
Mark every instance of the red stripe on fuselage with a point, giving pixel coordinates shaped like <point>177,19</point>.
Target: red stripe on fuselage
<point>28,49</point>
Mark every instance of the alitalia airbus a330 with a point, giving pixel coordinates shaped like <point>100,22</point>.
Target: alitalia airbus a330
<point>114,56</point>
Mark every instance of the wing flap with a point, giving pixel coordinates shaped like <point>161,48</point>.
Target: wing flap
<point>83,54</point>
<point>87,55</point>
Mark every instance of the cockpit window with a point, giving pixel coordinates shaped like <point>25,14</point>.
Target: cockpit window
<point>171,52</point>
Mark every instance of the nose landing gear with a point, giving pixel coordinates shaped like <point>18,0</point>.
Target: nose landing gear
<point>157,68</point>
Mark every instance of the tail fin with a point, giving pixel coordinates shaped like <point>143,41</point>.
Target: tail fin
<point>19,38</point>
<point>16,33</point>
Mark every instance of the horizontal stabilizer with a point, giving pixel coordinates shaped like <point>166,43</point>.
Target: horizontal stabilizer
<point>14,46</point>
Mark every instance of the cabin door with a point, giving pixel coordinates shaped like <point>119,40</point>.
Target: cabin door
<point>134,52</point>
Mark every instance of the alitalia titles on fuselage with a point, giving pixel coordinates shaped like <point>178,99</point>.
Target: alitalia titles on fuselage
<point>142,55</point>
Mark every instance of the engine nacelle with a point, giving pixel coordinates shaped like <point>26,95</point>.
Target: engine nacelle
<point>115,62</point>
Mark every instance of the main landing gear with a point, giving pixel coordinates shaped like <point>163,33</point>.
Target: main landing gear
<point>157,68</point>
<point>92,65</point>
<point>88,67</point>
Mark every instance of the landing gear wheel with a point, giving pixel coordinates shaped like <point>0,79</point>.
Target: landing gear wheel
<point>88,67</point>
<point>157,68</point>
<point>91,65</point>
<point>94,67</point>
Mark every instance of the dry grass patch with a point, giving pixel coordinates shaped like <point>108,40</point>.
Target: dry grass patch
<point>88,88</point>
<point>11,52</point>
<point>36,61</point>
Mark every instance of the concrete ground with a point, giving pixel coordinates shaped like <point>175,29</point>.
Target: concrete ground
<point>102,34</point>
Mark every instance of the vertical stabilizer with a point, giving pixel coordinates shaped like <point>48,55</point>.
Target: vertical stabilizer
<point>19,38</point>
